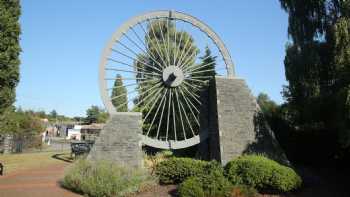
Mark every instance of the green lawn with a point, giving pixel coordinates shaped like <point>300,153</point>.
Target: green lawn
<point>24,161</point>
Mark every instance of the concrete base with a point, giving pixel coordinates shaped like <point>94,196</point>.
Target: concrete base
<point>119,140</point>
<point>236,125</point>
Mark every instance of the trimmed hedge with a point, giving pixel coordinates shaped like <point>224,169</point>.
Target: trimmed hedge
<point>262,173</point>
<point>176,170</point>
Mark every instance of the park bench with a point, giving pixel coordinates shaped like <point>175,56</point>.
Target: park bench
<point>1,169</point>
<point>80,148</point>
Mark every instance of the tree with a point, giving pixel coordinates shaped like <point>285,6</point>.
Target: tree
<point>21,123</point>
<point>9,51</point>
<point>317,66</point>
<point>96,115</point>
<point>162,48</point>
<point>208,63</point>
<point>53,114</point>
<point>119,93</point>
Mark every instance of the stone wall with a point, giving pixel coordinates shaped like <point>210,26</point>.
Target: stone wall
<point>119,140</point>
<point>236,125</point>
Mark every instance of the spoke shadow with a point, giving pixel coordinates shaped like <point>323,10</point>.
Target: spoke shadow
<point>63,157</point>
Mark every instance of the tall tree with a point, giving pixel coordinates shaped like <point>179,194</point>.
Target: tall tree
<point>9,51</point>
<point>119,92</point>
<point>208,64</point>
<point>317,65</point>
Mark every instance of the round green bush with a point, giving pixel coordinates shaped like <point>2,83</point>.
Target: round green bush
<point>191,187</point>
<point>211,182</point>
<point>176,170</point>
<point>262,173</point>
<point>215,183</point>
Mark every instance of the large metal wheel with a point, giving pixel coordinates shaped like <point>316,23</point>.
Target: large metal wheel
<point>160,60</point>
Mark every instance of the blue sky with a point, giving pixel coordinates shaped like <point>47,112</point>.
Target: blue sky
<point>62,42</point>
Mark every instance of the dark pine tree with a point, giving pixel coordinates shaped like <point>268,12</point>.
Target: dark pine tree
<point>119,94</point>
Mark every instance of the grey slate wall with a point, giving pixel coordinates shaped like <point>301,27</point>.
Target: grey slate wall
<point>236,125</point>
<point>119,140</point>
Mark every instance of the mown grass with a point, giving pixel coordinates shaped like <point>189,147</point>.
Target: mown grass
<point>24,161</point>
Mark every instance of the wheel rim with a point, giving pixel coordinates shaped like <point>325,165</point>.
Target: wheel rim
<point>162,74</point>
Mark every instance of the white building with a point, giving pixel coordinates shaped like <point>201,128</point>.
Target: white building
<point>75,133</point>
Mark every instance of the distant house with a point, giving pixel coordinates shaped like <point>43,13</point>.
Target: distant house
<point>74,133</point>
<point>90,132</point>
<point>84,132</point>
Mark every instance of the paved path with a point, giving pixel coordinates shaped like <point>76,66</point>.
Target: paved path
<point>41,182</point>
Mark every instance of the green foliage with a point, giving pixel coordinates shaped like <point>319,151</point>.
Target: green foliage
<point>317,66</point>
<point>20,123</point>
<point>9,51</point>
<point>262,173</point>
<point>215,183</point>
<point>176,170</point>
<point>267,106</point>
<point>96,115</point>
<point>211,182</point>
<point>191,187</point>
<point>104,179</point>
<point>182,51</point>
<point>119,93</point>
<point>207,67</point>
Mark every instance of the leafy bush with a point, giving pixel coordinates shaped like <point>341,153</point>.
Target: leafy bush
<point>243,191</point>
<point>176,170</point>
<point>103,179</point>
<point>151,161</point>
<point>191,187</point>
<point>209,183</point>
<point>262,173</point>
<point>215,184</point>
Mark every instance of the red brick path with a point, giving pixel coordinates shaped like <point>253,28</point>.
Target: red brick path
<point>41,182</point>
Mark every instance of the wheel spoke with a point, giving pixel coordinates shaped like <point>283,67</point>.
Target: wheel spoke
<point>167,125</point>
<point>190,108</point>
<point>180,113</point>
<point>146,52</point>
<point>155,115</point>
<point>160,49</point>
<point>136,60</point>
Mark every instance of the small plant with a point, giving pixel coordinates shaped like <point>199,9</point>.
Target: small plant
<point>104,178</point>
<point>262,173</point>
<point>176,170</point>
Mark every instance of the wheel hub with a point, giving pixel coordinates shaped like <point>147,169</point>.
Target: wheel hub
<point>173,76</point>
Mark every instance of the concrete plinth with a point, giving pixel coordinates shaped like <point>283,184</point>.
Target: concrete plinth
<point>119,140</point>
<point>236,125</point>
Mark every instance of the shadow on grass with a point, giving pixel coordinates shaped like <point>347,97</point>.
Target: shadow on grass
<point>63,157</point>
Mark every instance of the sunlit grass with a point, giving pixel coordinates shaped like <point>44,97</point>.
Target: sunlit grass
<point>24,161</point>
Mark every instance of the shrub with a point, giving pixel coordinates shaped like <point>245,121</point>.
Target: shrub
<point>210,183</point>
<point>176,170</point>
<point>103,179</point>
<point>191,187</point>
<point>215,184</point>
<point>243,191</point>
<point>151,161</point>
<point>262,173</point>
